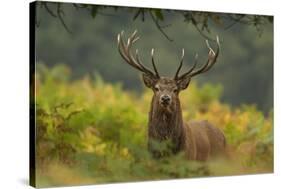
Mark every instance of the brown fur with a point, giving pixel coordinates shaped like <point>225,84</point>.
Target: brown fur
<point>206,140</point>
<point>198,139</point>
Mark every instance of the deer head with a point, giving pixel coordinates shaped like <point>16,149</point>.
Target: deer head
<point>165,89</point>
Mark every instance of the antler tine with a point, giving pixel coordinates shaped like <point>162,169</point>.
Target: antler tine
<point>210,49</point>
<point>147,70</point>
<point>133,36</point>
<point>212,58</point>
<point>200,70</point>
<point>179,68</point>
<point>131,39</point>
<point>139,61</point>
<point>121,46</point>
<point>214,55</point>
<point>124,50</point>
<point>153,63</point>
<point>191,69</point>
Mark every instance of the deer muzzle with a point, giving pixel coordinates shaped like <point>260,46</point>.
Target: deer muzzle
<point>165,100</point>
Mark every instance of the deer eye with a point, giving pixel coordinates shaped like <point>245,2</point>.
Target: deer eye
<point>156,88</point>
<point>175,90</point>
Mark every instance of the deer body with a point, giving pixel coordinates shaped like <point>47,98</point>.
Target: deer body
<point>197,139</point>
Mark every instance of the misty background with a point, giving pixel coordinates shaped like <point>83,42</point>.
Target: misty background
<point>87,43</point>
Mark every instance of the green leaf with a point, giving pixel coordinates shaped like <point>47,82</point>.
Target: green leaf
<point>94,11</point>
<point>158,14</point>
<point>270,19</point>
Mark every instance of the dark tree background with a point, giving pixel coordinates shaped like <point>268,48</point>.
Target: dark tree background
<point>84,37</point>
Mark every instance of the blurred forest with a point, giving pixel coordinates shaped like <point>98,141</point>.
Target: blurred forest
<point>92,108</point>
<point>84,38</point>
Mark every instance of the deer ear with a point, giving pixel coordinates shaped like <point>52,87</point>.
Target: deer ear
<point>148,80</point>
<point>183,83</point>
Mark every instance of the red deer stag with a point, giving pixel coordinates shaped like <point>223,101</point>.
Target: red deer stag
<point>197,139</point>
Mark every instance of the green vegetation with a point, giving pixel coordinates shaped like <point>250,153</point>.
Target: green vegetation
<point>94,129</point>
<point>90,131</point>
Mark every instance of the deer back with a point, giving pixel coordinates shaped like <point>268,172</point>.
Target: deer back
<point>202,140</point>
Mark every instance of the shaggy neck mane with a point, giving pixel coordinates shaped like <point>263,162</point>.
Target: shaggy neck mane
<point>166,124</point>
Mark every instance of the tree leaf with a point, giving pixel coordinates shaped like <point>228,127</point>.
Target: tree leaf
<point>158,14</point>
<point>270,19</point>
<point>94,11</point>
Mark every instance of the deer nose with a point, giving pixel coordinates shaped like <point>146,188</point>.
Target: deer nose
<point>165,99</point>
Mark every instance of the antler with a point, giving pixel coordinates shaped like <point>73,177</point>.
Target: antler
<point>125,51</point>
<point>212,58</point>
